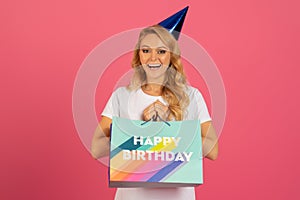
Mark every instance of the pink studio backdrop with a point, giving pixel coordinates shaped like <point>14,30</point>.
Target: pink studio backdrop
<point>255,45</point>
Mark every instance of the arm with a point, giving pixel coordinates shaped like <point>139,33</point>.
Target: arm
<point>100,141</point>
<point>209,140</point>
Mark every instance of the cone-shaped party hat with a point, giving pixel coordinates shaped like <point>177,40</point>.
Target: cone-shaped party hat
<point>174,23</point>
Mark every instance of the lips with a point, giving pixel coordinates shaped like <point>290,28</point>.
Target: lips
<point>154,66</point>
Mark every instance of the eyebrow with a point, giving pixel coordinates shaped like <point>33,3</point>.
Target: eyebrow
<point>161,47</point>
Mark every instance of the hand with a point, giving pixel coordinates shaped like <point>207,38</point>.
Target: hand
<point>156,109</point>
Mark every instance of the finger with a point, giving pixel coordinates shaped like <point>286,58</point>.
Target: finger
<point>151,107</point>
<point>147,115</point>
<point>160,106</point>
<point>159,103</point>
<point>162,115</point>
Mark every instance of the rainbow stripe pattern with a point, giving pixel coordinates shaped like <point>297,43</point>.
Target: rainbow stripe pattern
<point>155,154</point>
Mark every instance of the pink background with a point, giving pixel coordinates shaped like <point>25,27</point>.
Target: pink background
<point>255,45</point>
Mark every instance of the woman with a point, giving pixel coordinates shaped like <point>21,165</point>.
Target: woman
<point>158,91</point>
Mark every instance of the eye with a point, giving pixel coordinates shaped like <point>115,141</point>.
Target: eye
<point>145,50</point>
<point>161,51</point>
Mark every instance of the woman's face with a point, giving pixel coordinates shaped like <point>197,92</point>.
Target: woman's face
<point>155,58</point>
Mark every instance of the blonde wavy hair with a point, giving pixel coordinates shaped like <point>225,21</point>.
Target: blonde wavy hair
<point>174,85</point>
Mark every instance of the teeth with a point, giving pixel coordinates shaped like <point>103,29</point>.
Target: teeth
<point>154,65</point>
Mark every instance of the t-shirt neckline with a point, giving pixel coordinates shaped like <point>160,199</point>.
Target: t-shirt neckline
<point>145,94</point>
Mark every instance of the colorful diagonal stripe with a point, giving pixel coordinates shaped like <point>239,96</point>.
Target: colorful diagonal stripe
<point>165,171</point>
<point>125,168</point>
<point>126,145</point>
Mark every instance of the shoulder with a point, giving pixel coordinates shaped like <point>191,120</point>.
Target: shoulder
<point>121,91</point>
<point>195,96</point>
<point>197,108</point>
<point>193,92</point>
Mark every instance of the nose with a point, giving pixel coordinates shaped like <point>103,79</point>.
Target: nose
<point>153,55</point>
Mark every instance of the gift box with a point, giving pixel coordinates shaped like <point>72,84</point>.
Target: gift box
<point>155,154</point>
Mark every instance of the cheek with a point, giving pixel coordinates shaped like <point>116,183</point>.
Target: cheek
<point>143,58</point>
<point>166,59</point>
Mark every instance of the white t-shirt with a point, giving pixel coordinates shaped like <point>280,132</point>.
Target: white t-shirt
<point>131,104</point>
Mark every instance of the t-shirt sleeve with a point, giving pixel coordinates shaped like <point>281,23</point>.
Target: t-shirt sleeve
<point>202,111</point>
<point>111,107</point>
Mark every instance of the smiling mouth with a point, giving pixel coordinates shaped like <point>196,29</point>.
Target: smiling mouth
<point>154,66</point>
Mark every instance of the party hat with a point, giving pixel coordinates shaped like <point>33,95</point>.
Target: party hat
<point>174,23</point>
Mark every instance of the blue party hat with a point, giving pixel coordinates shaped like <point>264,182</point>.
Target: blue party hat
<point>174,23</point>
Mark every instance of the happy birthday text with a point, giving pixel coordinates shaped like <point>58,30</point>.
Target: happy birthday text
<point>156,155</point>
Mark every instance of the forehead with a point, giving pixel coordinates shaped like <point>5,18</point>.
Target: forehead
<point>153,41</point>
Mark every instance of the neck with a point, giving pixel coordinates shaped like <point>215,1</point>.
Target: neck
<point>153,89</point>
